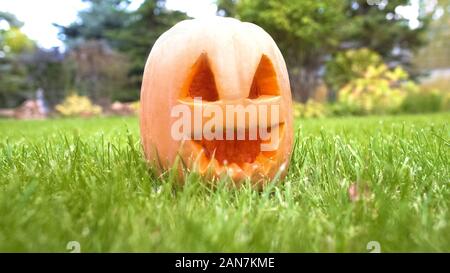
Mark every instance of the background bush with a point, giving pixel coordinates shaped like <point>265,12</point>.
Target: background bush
<point>310,109</point>
<point>75,105</point>
<point>380,90</point>
<point>348,65</point>
<point>423,102</point>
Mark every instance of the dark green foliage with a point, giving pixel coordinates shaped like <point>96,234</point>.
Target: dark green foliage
<point>14,84</point>
<point>226,8</point>
<point>48,70</point>
<point>132,33</point>
<point>305,31</point>
<point>14,87</point>
<point>423,102</point>
<point>95,22</point>
<point>309,32</point>
<point>381,29</point>
<point>99,71</point>
<point>140,32</point>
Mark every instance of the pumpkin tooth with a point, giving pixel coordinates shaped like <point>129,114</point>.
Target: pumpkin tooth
<point>240,159</point>
<point>203,163</point>
<point>235,171</point>
<point>266,164</point>
<point>251,169</point>
<point>198,159</point>
<point>217,167</point>
<point>232,151</point>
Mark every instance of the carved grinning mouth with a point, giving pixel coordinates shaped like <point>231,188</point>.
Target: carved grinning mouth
<point>240,155</point>
<point>232,151</point>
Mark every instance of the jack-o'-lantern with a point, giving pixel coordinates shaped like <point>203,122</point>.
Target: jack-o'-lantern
<point>224,77</point>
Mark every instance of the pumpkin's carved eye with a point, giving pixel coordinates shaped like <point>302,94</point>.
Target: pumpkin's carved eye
<point>201,82</point>
<point>265,80</point>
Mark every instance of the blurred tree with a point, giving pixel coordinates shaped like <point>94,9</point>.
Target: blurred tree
<point>378,25</point>
<point>14,86</point>
<point>10,19</point>
<point>348,65</point>
<point>140,32</point>
<point>436,54</point>
<point>226,8</point>
<point>94,23</point>
<point>48,70</point>
<point>306,31</point>
<point>100,72</point>
<point>130,32</point>
<point>14,41</point>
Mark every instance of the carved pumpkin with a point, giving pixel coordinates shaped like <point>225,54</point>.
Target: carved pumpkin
<point>226,63</point>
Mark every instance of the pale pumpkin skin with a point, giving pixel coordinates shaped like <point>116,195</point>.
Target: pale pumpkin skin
<point>234,51</point>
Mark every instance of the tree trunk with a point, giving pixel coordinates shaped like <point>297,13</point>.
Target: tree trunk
<point>304,82</point>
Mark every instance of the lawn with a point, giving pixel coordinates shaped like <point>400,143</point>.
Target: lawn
<point>85,180</point>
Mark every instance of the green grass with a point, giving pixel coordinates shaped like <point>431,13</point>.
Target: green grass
<point>86,181</point>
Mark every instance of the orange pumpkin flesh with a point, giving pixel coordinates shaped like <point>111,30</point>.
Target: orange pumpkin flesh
<point>224,62</point>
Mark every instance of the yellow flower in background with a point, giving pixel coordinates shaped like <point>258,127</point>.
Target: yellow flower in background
<point>76,105</point>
